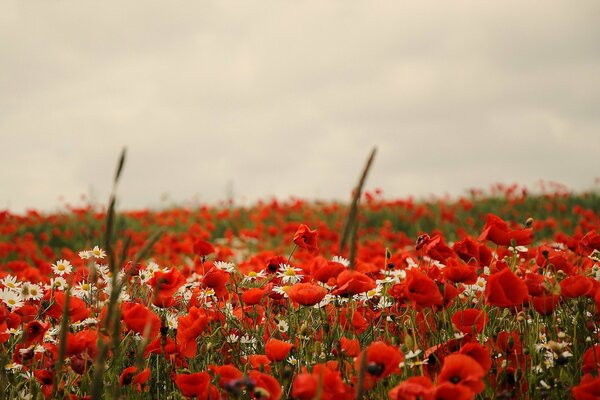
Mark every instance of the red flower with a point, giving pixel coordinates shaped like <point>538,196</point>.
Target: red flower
<point>323,270</point>
<point>137,317</point>
<point>470,320</point>
<point>277,350</point>
<point>591,360</point>
<point>436,248</point>
<point>497,231</point>
<point>588,388</point>
<point>306,294</point>
<point>189,327</point>
<point>266,387</point>
<point>479,353</point>
<point>505,289</point>
<point>196,385</point>
<point>306,239</point>
<point>306,385</point>
<point>253,296</point>
<point>350,347</point>
<point>576,286</point>
<point>353,282</point>
<point>457,271</point>
<point>227,374</point>
<point>422,290</point>
<point>203,248</point>
<point>472,252</point>
<point>165,285</point>
<point>448,391</point>
<point>77,309</point>
<point>382,360</point>
<point>460,369</point>
<point>415,387</point>
<point>132,375</point>
<point>34,332</point>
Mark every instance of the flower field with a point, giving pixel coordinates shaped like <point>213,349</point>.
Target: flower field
<point>491,296</point>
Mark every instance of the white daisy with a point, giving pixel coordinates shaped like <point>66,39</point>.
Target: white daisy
<point>62,267</point>
<point>253,276</point>
<point>85,254</point>
<point>289,274</point>
<point>97,252</point>
<point>32,291</point>
<point>83,290</point>
<point>10,282</point>
<point>11,298</point>
<point>341,260</point>
<point>225,266</point>
<point>58,283</point>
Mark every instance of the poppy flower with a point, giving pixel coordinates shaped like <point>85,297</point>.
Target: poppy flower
<point>203,248</point>
<point>227,374</point>
<point>382,360</point>
<point>165,285</point>
<point>132,375</point>
<point>77,308</point>
<point>448,391</point>
<point>323,270</point>
<point>473,252</point>
<point>265,386</point>
<point>470,320</point>
<point>351,282</point>
<point>196,385</point>
<point>277,350</point>
<point>306,385</point>
<point>189,327</point>
<point>34,332</point>
<point>415,387</point>
<point>459,272</point>
<point>545,304</point>
<point>479,353</point>
<point>460,369</point>
<point>253,296</point>
<point>306,239</point>
<point>306,294</point>
<point>497,230</point>
<point>350,347</point>
<point>591,359</point>
<point>588,388</point>
<point>422,290</point>
<point>576,286</point>
<point>505,289</point>
<point>436,249</point>
<point>137,317</point>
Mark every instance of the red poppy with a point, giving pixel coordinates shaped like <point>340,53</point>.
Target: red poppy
<point>196,385</point>
<point>498,231</point>
<point>470,320</point>
<point>545,303</point>
<point>277,350</point>
<point>576,286</point>
<point>479,353</point>
<point>260,362</point>
<point>165,285</point>
<point>459,272</point>
<point>448,391</point>
<point>203,248</point>
<point>227,374</point>
<point>306,239</point>
<point>588,388</point>
<point>505,289</point>
<point>472,252</point>
<point>324,271</point>
<point>382,360</point>
<point>306,385</point>
<point>415,387</point>
<point>266,387</point>
<point>422,290</point>
<point>77,308</point>
<point>253,296</point>
<point>189,327</point>
<point>34,332</point>
<point>137,317</point>
<point>351,282</point>
<point>591,360</point>
<point>350,347</point>
<point>459,369</point>
<point>306,294</point>
<point>132,375</point>
<point>436,249</point>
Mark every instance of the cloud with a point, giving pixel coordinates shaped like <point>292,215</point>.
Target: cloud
<point>288,98</point>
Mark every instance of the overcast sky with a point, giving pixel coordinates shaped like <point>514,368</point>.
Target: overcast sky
<point>287,97</point>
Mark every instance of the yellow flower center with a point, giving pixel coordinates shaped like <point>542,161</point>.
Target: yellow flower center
<point>289,272</point>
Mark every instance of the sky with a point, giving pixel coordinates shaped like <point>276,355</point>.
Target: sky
<point>286,98</point>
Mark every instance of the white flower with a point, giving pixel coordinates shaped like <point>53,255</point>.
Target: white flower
<point>412,354</point>
<point>292,360</point>
<point>281,290</point>
<point>83,290</point>
<point>85,254</point>
<point>385,302</point>
<point>32,291</point>
<point>58,283</point>
<point>11,299</point>
<point>10,282</point>
<point>225,266</point>
<point>282,326</point>
<point>172,320</point>
<point>97,252</point>
<point>340,260</point>
<point>232,338</point>
<point>253,275</point>
<point>247,339</point>
<point>13,367</point>
<point>62,267</point>
<point>289,274</point>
